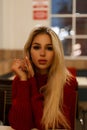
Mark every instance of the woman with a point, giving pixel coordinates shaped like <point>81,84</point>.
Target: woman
<point>43,91</point>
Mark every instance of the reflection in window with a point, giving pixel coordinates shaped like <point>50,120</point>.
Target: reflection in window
<point>83,46</point>
<point>81,26</point>
<point>81,6</point>
<point>69,21</point>
<point>61,6</point>
<point>62,33</point>
<point>67,43</point>
<point>76,51</point>
<point>64,25</point>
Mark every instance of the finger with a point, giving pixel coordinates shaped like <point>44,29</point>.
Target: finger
<point>29,67</point>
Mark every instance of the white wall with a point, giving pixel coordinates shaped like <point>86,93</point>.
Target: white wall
<point>16,23</point>
<point>0,23</point>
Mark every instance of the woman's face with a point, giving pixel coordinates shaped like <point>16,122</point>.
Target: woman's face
<point>42,52</point>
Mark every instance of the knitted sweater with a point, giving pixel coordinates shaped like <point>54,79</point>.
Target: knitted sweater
<point>27,103</point>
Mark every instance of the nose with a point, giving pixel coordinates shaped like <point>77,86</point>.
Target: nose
<point>42,52</point>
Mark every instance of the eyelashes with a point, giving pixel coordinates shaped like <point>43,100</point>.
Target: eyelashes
<point>36,47</point>
<point>50,48</point>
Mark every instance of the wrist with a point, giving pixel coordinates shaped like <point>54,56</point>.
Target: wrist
<point>23,78</point>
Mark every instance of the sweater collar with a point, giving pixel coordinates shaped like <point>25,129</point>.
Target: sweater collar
<point>41,79</point>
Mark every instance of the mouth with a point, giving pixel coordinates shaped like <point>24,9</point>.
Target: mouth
<point>42,62</point>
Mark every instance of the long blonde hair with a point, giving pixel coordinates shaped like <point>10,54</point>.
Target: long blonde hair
<point>57,76</point>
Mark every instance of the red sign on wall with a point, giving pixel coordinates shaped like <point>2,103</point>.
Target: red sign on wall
<point>40,3</point>
<point>40,9</point>
<point>40,14</point>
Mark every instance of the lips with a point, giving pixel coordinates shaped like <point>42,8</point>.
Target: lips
<point>42,61</point>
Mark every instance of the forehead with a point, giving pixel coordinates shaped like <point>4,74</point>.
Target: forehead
<point>42,38</point>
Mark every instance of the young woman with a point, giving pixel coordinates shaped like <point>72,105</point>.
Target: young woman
<point>43,91</point>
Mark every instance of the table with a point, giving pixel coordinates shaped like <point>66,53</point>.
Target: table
<point>82,82</point>
<point>10,128</point>
<point>6,128</point>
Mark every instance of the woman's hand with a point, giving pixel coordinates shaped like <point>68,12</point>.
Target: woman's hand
<point>29,67</point>
<point>23,68</point>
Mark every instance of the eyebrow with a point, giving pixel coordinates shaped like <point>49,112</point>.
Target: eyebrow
<point>49,44</point>
<point>35,43</point>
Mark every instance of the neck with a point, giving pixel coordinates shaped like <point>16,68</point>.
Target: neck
<point>42,72</point>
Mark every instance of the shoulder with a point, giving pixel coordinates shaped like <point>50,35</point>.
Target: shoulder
<point>71,84</point>
<point>70,91</point>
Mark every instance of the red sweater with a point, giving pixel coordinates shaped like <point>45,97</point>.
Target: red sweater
<point>26,111</point>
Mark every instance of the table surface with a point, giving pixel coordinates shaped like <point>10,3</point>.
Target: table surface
<point>5,128</point>
<point>82,82</point>
<point>10,128</point>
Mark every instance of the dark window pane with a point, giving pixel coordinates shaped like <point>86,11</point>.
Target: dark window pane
<point>67,46</point>
<point>81,6</point>
<point>61,6</point>
<point>63,24</point>
<point>83,46</point>
<point>81,26</point>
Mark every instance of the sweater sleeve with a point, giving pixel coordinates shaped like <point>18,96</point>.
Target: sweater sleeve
<point>20,114</point>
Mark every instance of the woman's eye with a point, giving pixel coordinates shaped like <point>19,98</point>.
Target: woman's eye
<point>36,47</point>
<point>50,48</point>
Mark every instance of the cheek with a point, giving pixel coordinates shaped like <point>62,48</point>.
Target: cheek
<point>33,56</point>
<point>51,57</point>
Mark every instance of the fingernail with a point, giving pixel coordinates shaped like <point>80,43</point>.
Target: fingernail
<point>26,57</point>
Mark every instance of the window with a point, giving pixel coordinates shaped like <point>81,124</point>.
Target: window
<point>69,21</point>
